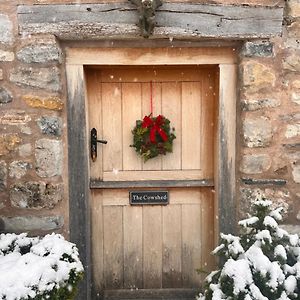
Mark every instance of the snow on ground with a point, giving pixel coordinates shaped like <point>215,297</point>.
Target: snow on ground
<point>46,264</point>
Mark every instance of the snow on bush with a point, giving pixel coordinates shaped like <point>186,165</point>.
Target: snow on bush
<point>38,268</point>
<point>262,263</point>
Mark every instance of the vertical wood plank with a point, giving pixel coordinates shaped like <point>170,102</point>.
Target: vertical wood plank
<point>191,245</point>
<point>154,163</point>
<point>95,119</point>
<point>191,110</point>
<point>207,230</point>
<point>207,131</point>
<point>172,276</point>
<point>79,223</point>
<point>171,109</point>
<point>131,111</point>
<point>152,245</point>
<point>133,247</point>
<point>97,239</point>
<point>226,139</point>
<point>113,246</point>
<point>112,126</point>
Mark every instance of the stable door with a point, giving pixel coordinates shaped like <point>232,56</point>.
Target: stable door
<point>152,246</point>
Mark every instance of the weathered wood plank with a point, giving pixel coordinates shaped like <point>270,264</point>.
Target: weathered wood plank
<point>113,246</point>
<point>78,160</point>
<point>133,247</point>
<point>226,139</point>
<point>98,21</point>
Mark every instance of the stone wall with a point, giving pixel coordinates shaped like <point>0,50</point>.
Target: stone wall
<point>33,139</point>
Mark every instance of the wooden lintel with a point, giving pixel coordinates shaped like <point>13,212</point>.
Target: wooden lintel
<point>97,184</point>
<point>174,20</point>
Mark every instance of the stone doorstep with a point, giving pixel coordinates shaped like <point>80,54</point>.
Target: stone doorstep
<point>151,294</point>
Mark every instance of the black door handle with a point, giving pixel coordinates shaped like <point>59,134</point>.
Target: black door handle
<point>94,142</point>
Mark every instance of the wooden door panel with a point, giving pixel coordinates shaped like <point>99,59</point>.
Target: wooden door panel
<point>152,246</point>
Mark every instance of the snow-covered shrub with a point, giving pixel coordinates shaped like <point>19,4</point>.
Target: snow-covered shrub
<point>262,263</point>
<point>38,268</point>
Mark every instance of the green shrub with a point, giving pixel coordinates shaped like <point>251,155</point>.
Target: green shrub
<point>38,268</point>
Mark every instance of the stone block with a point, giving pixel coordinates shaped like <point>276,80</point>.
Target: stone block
<point>51,103</point>
<point>36,195</point>
<point>257,76</point>
<point>6,30</point>
<point>291,228</point>
<point>292,130</point>
<point>257,104</point>
<point>291,63</point>
<point>1,74</point>
<point>18,169</point>
<point>8,143</point>
<point>39,78</point>
<point>48,154</point>
<point>5,96</point>
<point>14,117</point>
<point>30,223</point>
<point>257,132</point>
<point>296,172</point>
<point>3,175</point>
<point>6,55</point>
<point>255,163</point>
<point>258,49</point>
<point>296,98</point>
<point>25,150</point>
<point>50,125</point>
<point>296,84</point>
<point>293,8</point>
<point>40,53</point>
<point>294,30</point>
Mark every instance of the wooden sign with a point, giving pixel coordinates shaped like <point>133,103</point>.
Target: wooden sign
<point>149,197</point>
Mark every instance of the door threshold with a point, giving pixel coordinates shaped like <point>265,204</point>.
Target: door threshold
<point>151,294</point>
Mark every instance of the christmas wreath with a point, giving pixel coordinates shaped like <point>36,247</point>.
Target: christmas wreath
<point>153,136</point>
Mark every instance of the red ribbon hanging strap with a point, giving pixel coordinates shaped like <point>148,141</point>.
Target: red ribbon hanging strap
<point>155,126</point>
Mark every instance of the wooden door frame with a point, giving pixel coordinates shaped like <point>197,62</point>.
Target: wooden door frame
<point>78,136</point>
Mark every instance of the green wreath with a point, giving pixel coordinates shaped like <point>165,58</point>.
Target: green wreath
<point>153,136</point>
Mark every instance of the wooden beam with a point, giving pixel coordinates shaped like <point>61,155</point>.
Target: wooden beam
<point>97,184</point>
<point>157,56</point>
<point>175,20</point>
<point>78,181</point>
<point>226,152</point>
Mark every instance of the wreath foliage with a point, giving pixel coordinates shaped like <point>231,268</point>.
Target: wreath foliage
<point>153,136</point>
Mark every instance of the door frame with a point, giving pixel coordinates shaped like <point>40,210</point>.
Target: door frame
<point>78,135</point>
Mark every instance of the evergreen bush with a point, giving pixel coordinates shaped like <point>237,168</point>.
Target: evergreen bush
<point>262,263</point>
<point>38,268</point>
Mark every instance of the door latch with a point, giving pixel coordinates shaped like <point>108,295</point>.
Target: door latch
<point>94,142</point>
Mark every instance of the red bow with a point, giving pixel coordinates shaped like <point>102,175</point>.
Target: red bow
<point>155,126</point>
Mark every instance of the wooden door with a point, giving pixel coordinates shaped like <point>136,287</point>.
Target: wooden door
<point>152,246</point>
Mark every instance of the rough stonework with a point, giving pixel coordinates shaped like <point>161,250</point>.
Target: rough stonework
<point>50,125</point>
<point>39,53</point>
<point>255,164</point>
<point>48,154</point>
<point>17,169</point>
<point>257,132</point>
<point>3,175</point>
<point>34,100</point>
<point>36,195</point>
<point>51,102</point>
<point>30,223</point>
<point>39,78</point>
<point>6,27</point>
<point>5,96</point>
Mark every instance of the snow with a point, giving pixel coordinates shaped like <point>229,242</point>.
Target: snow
<point>41,269</point>
<point>271,222</point>
<point>240,272</point>
<point>290,284</point>
<point>280,251</point>
<point>276,214</point>
<point>249,221</point>
<point>264,235</point>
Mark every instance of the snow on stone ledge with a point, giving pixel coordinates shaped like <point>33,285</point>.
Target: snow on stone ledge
<point>32,266</point>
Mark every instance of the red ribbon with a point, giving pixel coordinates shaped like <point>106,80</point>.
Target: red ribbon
<point>155,126</point>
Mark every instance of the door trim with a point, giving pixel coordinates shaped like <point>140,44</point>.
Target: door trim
<point>78,152</point>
